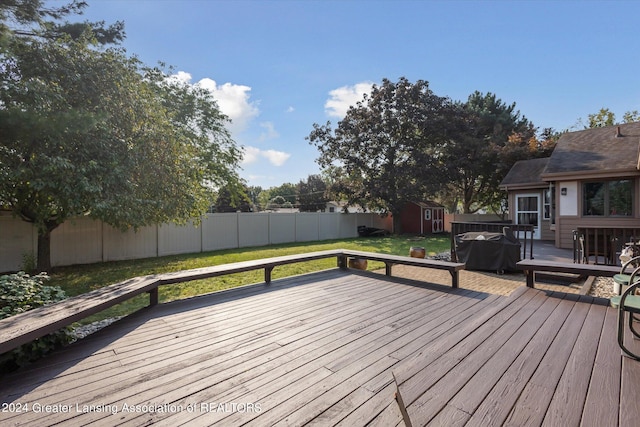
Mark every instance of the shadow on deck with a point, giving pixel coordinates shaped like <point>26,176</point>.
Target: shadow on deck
<point>324,348</point>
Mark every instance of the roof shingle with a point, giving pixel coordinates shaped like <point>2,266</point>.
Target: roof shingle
<point>526,173</point>
<point>596,150</point>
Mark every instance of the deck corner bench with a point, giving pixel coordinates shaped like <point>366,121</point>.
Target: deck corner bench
<point>530,266</point>
<point>390,260</point>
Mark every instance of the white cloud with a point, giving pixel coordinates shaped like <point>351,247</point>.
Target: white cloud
<point>342,98</point>
<point>290,109</point>
<point>234,102</point>
<point>253,154</point>
<point>232,99</point>
<point>269,131</point>
<point>181,76</point>
<point>250,155</point>
<point>276,158</point>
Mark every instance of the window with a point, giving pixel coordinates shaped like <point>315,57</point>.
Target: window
<point>607,198</point>
<point>549,205</point>
<point>546,205</point>
<point>527,212</point>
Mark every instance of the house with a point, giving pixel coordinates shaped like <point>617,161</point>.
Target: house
<point>422,218</point>
<point>591,181</point>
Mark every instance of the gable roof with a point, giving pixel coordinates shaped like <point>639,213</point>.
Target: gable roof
<point>526,174</point>
<point>429,204</point>
<point>593,152</point>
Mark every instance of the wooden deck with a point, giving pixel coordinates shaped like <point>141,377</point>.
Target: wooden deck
<point>324,349</point>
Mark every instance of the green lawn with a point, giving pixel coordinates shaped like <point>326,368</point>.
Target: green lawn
<point>80,279</point>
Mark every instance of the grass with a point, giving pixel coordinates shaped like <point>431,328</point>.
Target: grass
<point>77,280</point>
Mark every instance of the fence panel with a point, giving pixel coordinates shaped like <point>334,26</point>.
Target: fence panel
<point>253,229</point>
<point>307,227</point>
<point>329,226</point>
<point>118,245</point>
<point>84,240</point>
<point>349,224</point>
<point>77,241</point>
<point>176,239</point>
<point>18,239</point>
<point>220,231</point>
<point>282,228</point>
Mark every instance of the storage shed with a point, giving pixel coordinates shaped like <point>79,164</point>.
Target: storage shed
<point>422,218</point>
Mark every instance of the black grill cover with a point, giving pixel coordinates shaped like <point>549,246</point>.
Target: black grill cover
<point>488,251</point>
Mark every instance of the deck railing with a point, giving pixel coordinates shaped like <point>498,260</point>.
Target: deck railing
<point>602,244</point>
<point>523,232</point>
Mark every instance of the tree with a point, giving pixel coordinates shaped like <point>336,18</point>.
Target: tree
<point>28,19</point>
<point>87,131</point>
<point>387,146</point>
<point>605,117</point>
<point>263,199</point>
<point>278,202</point>
<point>631,116</point>
<point>490,136</point>
<point>312,194</point>
<point>602,118</point>
<point>287,191</point>
<point>231,198</point>
<point>254,192</point>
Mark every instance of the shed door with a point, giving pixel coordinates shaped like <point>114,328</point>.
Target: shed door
<point>437,220</point>
<point>425,225</point>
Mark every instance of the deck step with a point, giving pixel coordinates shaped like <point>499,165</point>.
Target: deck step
<point>559,278</point>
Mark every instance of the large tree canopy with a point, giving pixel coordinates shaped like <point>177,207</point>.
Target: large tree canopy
<point>30,19</point>
<point>86,131</point>
<point>387,147</point>
<point>493,135</point>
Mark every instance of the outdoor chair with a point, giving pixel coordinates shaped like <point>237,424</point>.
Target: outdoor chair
<point>629,303</point>
<point>623,279</point>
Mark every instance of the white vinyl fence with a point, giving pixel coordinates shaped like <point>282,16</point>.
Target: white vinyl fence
<point>84,241</point>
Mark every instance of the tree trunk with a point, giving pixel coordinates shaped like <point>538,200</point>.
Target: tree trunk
<point>44,251</point>
<point>397,224</point>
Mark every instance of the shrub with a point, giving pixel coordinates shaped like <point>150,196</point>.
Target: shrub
<point>29,262</point>
<point>21,292</point>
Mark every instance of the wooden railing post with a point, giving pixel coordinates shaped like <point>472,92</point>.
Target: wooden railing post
<point>153,297</point>
<point>267,275</point>
<point>342,261</point>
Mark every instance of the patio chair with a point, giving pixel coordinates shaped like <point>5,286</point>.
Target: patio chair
<point>629,303</point>
<point>623,279</point>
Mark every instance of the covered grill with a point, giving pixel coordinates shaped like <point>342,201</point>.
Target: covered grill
<point>488,251</point>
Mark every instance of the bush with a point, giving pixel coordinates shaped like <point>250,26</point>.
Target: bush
<point>21,292</point>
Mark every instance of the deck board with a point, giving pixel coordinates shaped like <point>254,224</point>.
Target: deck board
<point>603,396</point>
<point>568,400</point>
<point>476,386</point>
<point>443,377</point>
<point>325,348</point>
<point>532,404</point>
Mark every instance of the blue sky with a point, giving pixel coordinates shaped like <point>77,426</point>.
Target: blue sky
<point>277,67</point>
